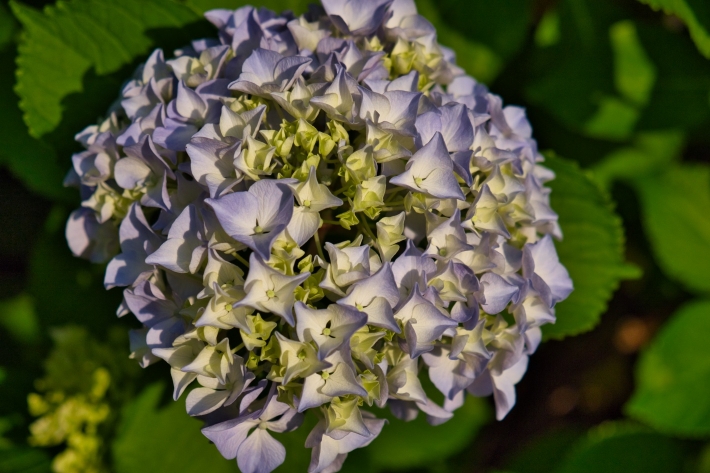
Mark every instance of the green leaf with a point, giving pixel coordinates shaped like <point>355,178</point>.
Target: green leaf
<point>32,161</point>
<point>60,45</point>
<point>475,57</point>
<point>67,289</point>
<point>695,14</point>
<point>543,454</point>
<point>502,25</point>
<point>679,98</point>
<point>24,460</point>
<point>298,457</point>
<point>152,439</point>
<point>296,6</point>
<point>673,375</point>
<point>592,249</point>
<point>7,26</point>
<point>574,77</point>
<point>620,448</point>
<point>547,32</point>
<point>614,120</point>
<point>634,76</point>
<point>17,316</point>
<point>652,151</point>
<point>675,209</point>
<point>634,73</point>
<point>403,445</point>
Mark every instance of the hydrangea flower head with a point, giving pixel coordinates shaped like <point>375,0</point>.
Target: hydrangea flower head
<point>311,214</point>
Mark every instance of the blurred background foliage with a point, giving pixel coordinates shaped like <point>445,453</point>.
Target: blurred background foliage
<point>619,88</point>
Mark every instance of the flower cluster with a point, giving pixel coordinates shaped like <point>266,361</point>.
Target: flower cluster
<point>312,212</point>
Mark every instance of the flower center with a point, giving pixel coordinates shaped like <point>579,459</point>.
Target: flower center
<point>270,294</point>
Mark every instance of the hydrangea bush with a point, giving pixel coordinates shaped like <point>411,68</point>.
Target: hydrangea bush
<point>313,213</point>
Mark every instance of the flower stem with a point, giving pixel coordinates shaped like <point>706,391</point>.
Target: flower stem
<point>319,247</point>
<point>366,229</point>
<point>241,259</point>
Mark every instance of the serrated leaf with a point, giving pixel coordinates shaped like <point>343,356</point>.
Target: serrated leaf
<point>695,14</point>
<point>30,160</point>
<point>673,375</point>
<point>64,42</point>
<point>621,448</point>
<point>675,208</point>
<point>152,439</point>
<point>592,249</point>
<point>296,6</point>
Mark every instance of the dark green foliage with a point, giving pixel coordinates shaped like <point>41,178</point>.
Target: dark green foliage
<point>621,89</point>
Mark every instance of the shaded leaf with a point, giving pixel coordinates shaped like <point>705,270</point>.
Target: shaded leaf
<point>18,316</point>
<point>7,25</point>
<point>695,14</point>
<point>475,57</point>
<point>673,375</point>
<point>543,453</point>
<point>634,73</point>
<point>619,448</point>
<point>501,26</point>
<point>679,98</point>
<point>24,460</point>
<point>572,78</point>
<point>651,152</point>
<point>592,249</point>
<point>403,445</point>
<point>675,208</point>
<point>152,438</point>
<point>298,457</point>
<point>32,161</point>
<point>67,289</point>
<point>296,6</point>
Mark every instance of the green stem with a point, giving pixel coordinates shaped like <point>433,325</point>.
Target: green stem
<point>366,229</point>
<point>389,209</point>
<point>319,247</point>
<point>279,111</point>
<point>241,259</point>
<point>341,190</point>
